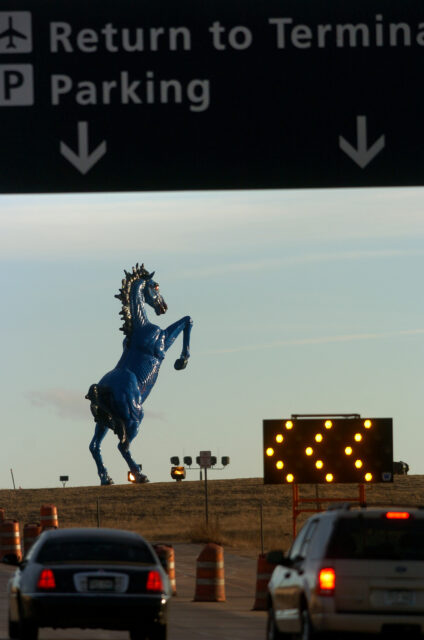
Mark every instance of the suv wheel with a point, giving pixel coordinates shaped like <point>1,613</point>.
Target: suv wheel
<point>272,632</point>
<point>306,632</point>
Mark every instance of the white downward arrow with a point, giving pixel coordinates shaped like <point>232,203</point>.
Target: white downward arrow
<point>83,160</point>
<point>361,154</point>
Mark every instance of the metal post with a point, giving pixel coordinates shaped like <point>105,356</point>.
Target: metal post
<point>262,530</point>
<point>206,496</point>
<point>317,498</point>
<point>13,479</point>
<point>295,503</point>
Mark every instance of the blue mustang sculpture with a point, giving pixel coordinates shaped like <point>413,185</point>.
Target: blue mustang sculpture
<point>116,401</point>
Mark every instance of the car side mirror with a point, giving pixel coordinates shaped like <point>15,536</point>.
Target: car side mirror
<point>277,557</point>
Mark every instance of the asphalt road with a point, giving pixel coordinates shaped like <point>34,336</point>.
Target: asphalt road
<point>229,620</point>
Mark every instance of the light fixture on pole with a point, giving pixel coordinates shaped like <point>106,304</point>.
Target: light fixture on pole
<point>205,461</point>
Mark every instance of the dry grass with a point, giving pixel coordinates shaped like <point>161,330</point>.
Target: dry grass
<point>175,512</point>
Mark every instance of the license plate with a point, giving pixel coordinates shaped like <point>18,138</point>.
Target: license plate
<point>400,598</point>
<point>101,584</point>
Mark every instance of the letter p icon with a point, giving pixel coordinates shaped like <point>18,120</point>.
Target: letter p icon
<point>16,85</point>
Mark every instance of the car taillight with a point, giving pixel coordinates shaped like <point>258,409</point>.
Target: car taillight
<point>46,580</point>
<point>154,581</point>
<point>326,581</point>
<point>398,515</point>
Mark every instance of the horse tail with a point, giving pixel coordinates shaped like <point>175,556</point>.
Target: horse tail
<point>101,402</point>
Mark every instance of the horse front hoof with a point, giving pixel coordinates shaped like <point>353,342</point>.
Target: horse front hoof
<point>106,481</point>
<point>181,363</point>
<point>140,478</point>
<point>136,477</point>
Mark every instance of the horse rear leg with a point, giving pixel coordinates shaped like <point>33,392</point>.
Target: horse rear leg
<point>124,450</point>
<point>99,433</point>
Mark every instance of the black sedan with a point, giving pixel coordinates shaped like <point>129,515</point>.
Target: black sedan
<point>89,578</point>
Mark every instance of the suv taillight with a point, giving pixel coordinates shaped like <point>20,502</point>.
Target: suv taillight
<point>46,581</point>
<point>398,515</point>
<point>154,582</point>
<point>326,582</point>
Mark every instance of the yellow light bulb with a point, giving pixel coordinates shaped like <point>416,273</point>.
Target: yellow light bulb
<point>309,451</point>
<point>329,477</point>
<point>368,477</point>
<point>328,424</point>
<point>358,437</point>
<point>318,437</point>
<point>289,424</point>
<point>280,464</point>
<point>319,464</point>
<point>348,451</point>
<point>358,464</point>
<point>290,477</point>
<point>279,437</point>
<point>367,424</point>
<point>270,451</point>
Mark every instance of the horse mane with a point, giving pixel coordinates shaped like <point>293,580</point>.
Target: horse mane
<point>138,273</point>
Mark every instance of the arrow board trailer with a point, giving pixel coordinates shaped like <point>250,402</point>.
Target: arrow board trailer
<point>114,96</point>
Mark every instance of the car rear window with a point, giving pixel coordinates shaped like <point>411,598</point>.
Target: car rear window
<point>377,538</point>
<point>95,551</point>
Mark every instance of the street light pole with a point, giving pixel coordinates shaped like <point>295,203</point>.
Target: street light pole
<point>205,461</point>
<point>206,495</point>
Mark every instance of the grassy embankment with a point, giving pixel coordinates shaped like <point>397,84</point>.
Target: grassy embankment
<point>175,512</point>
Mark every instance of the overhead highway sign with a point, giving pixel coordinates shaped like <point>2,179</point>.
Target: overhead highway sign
<point>120,95</point>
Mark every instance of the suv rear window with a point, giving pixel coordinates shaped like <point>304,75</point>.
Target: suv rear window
<point>95,551</point>
<point>377,538</point>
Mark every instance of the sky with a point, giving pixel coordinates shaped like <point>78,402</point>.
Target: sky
<point>302,302</point>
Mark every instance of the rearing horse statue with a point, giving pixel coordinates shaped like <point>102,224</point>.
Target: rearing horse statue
<point>117,400</point>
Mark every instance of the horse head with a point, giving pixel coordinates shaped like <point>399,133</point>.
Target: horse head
<point>152,296</point>
<point>138,287</point>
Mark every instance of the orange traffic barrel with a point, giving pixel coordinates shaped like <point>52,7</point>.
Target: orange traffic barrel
<point>10,539</point>
<point>48,517</point>
<point>166,555</point>
<point>31,532</point>
<point>264,572</point>
<point>210,581</point>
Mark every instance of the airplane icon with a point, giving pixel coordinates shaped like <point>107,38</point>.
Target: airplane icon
<point>12,33</point>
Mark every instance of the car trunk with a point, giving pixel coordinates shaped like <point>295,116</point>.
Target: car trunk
<point>372,586</point>
<point>77,579</point>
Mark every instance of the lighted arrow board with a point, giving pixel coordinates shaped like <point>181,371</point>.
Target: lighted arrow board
<point>114,95</point>
<point>327,450</point>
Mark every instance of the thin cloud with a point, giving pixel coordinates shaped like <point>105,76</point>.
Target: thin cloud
<point>307,258</point>
<point>353,337</point>
<point>71,404</point>
<point>90,224</point>
<point>65,403</point>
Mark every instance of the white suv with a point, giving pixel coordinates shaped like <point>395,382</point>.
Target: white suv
<point>353,570</point>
